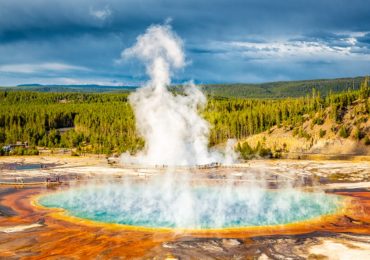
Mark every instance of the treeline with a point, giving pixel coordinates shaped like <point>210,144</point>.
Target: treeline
<point>104,123</point>
<point>279,89</point>
<point>99,123</point>
<point>239,118</point>
<point>283,89</point>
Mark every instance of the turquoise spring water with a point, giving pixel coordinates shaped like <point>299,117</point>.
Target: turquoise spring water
<point>190,207</point>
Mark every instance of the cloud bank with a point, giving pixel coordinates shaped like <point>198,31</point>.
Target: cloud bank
<point>224,42</point>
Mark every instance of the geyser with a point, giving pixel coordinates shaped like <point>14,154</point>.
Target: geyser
<point>174,132</point>
<point>196,207</point>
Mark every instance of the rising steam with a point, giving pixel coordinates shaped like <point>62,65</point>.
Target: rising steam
<point>174,132</point>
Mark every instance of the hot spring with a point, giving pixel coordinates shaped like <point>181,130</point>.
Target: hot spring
<point>176,134</point>
<point>213,206</point>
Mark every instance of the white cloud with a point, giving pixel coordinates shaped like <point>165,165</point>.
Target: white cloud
<point>101,14</point>
<point>40,67</point>
<point>288,49</point>
<point>299,49</point>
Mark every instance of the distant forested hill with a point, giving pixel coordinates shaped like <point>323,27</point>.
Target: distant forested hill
<point>71,88</point>
<point>283,89</point>
<point>279,89</point>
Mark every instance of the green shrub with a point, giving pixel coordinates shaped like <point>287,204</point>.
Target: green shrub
<point>265,152</point>
<point>31,151</point>
<point>24,151</point>
<point>245,150</point>
<point>343,132</point>
<point>261,151</point>
<point>318,121</point>
<point>17,151</point>
<point>367,140</point>
<point>322,133</point>
<point>357,134</point>
<point>277,155</point>
<point>303,134</point>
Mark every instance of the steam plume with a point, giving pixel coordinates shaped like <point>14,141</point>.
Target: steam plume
<point>174,132</point>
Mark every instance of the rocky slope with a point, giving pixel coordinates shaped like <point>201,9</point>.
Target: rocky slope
<point>320,134</point>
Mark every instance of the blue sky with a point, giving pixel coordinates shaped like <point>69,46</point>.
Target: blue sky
<point>80,42</point>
